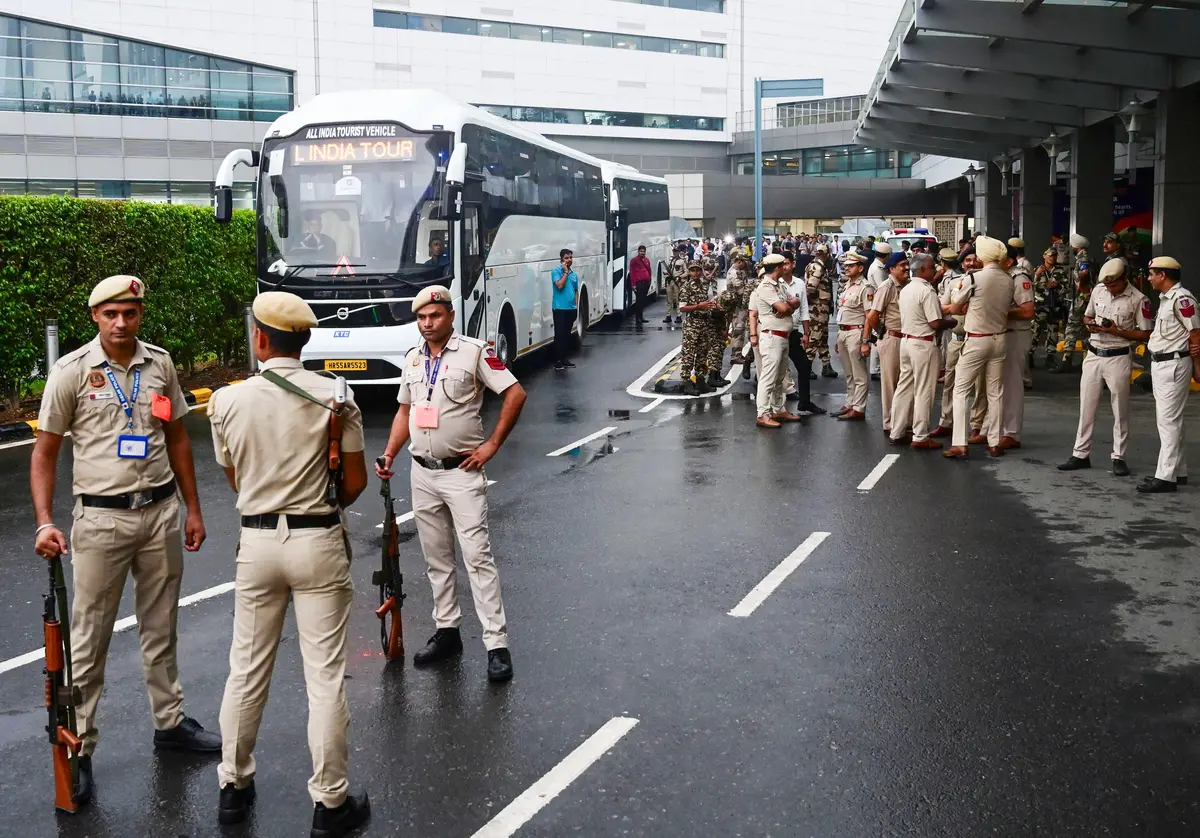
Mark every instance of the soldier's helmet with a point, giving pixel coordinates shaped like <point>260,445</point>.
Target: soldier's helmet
<point>694,265</point>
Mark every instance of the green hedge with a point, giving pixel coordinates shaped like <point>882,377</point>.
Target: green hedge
<point>53,250</point>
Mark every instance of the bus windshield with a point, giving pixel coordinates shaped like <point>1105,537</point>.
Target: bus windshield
<point>354,200</point>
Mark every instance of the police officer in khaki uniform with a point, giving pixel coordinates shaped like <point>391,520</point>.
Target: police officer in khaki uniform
<point>856,297</point>
<point>1117,315</point>
<point>921,317</point>
<point>958,338</point>
<point>985,297</point>
<point>771,308</point>
<point>121,402</point>
<point>440,397</point>
<point>271,435</point>
<point>886,307</point>
<point>1018,338</point>
<point>1174,349</point>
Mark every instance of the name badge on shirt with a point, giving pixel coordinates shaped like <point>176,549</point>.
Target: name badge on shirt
<point>426,416</point>
<point>131,447</point>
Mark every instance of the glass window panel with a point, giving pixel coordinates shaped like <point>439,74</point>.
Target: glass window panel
<point>102,189</point>
<point>493,29</point>
<point>627,42</point>
<point>566,117</point>
<point>683,47</point>
<point>708,50</point>
<point>11,92</point>
<point>521,32</point>
<point>502,111</point>
<point>656,44</point>
<point>272,91</point>
<point>652,120</point>
<point>47,64</point>
<point>425,23</point>
<point>12,187</point>
<point>97,78</point>
<point>51,187</point>
<point>597,39</point>
<point>531,115</point>
<point>684,122</point>
<point>593,117</point>
<point>567,36</point>
<point>156,192</point>
<point>684,4</point>
<point>834,160</point>
<point>789,164</point>
<point>391,20</point>
<point>863,160</point>
<point>652,2</point>
<point>196,194</point>
<point>143,79</point>
<point>187,85</point>
<point>231,90</point>
<point>717,6</point>
<point>459,26</point>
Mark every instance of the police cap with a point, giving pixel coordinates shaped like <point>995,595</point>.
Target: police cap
<point>432,294</point>
<point>1163,263</point>
<point>117,289</point>
<point>283,311</point>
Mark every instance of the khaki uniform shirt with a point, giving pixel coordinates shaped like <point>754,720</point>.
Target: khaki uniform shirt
<point>887,303</point>
<point>919,306</point>
<point>857,296</point>
<point>877,273</point>
<point>1022,281</point>
<point>738,284</point>
<point>1178,315</point>
<point>1128,310</point>
<point>679,269</point>
<point>277,442</point>
<point>768,292</point>
<point>79,398</point>
<point>468,367</point>
<point>948,289</point>
<point>988,293</point>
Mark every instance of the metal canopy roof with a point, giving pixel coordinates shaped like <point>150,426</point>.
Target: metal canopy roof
<point>982,78</point>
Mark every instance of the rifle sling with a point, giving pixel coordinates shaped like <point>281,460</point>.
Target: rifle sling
<point>278,380</point>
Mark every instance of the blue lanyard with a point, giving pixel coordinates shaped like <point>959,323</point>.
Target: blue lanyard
<point>125,403</point>
<point>431,376</point>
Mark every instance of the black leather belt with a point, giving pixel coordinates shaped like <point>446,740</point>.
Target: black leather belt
<point>132,500</point>
<point>439,465</point>
<point>270,521</point>
<point>1108,353</point>
<point>1169,356</point>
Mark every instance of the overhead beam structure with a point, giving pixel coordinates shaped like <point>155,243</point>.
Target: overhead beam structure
<point>981,105</point>
<point>968,122</point>
<point>1011,85</point>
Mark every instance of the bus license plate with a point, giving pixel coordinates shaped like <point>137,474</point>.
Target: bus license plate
<point>344,366</point>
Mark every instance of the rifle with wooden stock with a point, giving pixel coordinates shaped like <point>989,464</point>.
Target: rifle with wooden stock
<point>62,696</point>
<point>389,578</point>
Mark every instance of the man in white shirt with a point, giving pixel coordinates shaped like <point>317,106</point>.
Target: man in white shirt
<point>920,318</point>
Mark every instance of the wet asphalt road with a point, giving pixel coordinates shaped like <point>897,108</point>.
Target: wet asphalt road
<point>981,648</point>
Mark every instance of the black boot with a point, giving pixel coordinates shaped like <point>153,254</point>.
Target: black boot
<point>702,385</point>
<point>83,788</point>
<point>445,643</point>
<point>828,371</point>
<point>235,803</point>
<point>715,380</point>
<point>334,823</point>
<point>499,665</point>
<point>689,388</point>
<point>1074,463</point>
<point>749,362</point>
<point>188,735</point>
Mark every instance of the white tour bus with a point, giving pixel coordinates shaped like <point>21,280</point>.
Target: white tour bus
<point>366,197</point>
<point>641,215</point>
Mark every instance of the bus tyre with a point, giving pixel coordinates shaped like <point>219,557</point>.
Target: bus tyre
<point>581,320</point>
<point>506,339</point>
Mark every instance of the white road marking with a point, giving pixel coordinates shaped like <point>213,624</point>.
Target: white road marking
<point>635,389</point>
<point>18,443</point>
<point>531,801</point>
<point>652,405</point>
<point>408,516</point>
<point>775,578</point>
<point>120,625</point>
<point>871,479</point>
<point>573,445</point>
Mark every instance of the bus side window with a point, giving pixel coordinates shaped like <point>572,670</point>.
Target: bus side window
<point>470,231</point>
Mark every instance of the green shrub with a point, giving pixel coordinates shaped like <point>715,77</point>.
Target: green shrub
<point>54,250</point>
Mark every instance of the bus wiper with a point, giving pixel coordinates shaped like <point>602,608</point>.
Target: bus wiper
<point>287,271</point>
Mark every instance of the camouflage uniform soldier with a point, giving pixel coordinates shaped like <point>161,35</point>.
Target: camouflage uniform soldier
<point>1050,283</point>
<point>818,277</point>
<point>1081,292</point>
<point>716,346</point>
<point>679,271</point>
<point>695,302</point>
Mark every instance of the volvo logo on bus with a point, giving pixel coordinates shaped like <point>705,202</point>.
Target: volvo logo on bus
<point>343,313</point>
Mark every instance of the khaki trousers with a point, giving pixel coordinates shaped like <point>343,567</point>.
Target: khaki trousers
<point>1016,365</point>
<point>854,365</point>
<point>980,357</point>
<point>916,389</point>
<point>106,545</point>
<point>454,503</point>
<point>312,568</point>
<point>1171,382</point>
<point>978,407</point>
<point>889,375</point>
<point>773,352</point>
<point>1096,373</point>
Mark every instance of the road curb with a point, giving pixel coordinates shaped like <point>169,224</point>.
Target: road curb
<point>13,431</point>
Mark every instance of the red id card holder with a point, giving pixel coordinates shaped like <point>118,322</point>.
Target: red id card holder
<point>160,406</point>
<point>426,416</point>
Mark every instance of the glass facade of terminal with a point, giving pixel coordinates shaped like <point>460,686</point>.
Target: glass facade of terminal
<point>196,193</point>
<point>621,119</point>
<point>54,69</point>
<point>819,112</point>
<point>545,34</point>
<point>717,6</point>
<point>835,161</point>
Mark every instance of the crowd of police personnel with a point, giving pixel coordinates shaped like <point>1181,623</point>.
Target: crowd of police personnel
<point>970,318</point>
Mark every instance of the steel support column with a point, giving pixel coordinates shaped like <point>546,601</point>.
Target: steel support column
<point>1037,202</point>
<point>1092,150</point>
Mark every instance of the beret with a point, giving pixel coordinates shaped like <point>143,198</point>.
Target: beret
<point>1164,263</point>
<point>432,294</point>
<point>773,259</point>
<point>1079,241</point>
<point>948,254</point>
<point>283,311</point>
<point>990,250</point>
<point>117,289</point>
<point>1016,241</point>
<point>1112,269</point>
<point>895,259</point>
<point>821,248</point>
<point>883,249</point>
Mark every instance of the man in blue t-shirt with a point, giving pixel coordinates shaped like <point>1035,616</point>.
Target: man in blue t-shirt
<point>566,289</point>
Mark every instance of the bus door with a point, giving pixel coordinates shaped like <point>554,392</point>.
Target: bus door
<point>473,317</point>
<point>618,253</point>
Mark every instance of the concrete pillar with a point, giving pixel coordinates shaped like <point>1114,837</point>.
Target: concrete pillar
<point>1176,175</point>
<point>1037,201</point>
<point>1092,152</point>
<point>993,211</point>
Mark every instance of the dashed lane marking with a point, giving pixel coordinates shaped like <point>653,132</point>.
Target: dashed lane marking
<point>775,578</point>
<point>652,405</point>
<point>120,625</point>
<point>573,445</point>
<point>876,473</point>
<point>535,798</point>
